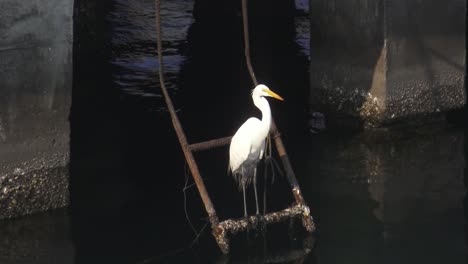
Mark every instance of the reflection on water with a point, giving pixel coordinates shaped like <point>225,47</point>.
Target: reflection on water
<point>378,197</point>
<point>390,197</point>
<point>134,46</point>
<point>303,26</point>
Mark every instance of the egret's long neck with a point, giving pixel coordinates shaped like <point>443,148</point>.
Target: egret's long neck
<point>263,105</point>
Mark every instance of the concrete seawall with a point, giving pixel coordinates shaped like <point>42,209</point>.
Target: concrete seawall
<point>386,61</point>
<point>35,97</point>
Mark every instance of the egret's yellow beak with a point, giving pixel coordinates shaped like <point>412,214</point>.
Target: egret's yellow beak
<point>273,94</point>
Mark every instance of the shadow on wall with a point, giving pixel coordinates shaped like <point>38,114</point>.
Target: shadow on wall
<point>426,61</point>
<point>347,53</point>
<point>415,74</point>
<point>215,74</point>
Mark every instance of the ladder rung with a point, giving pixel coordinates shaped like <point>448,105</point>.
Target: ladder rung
<point>210,144</point>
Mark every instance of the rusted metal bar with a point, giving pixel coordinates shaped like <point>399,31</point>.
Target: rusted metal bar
<point>232,226</point>
<point>307,219</point>
<point>210,144</point>
<point>283,155</point>
<point>180,132</point>
<point>245,20</point>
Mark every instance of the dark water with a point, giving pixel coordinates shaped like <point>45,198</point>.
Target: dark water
<point>377,197</point>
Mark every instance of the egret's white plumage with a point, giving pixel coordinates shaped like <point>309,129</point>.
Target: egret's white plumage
<point>248,144</point>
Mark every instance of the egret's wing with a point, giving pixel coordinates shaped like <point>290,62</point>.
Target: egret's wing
<point>241,143</point>
<point>262,150</point>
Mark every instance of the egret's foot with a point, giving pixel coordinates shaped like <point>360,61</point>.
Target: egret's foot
<point>249,225</point>
<point>261,223</point>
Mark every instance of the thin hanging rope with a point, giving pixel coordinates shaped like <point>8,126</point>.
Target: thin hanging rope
<point>184,190</point>
<point>245,20</point>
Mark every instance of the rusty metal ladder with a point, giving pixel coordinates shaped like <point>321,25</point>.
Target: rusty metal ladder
<point>221,229</point>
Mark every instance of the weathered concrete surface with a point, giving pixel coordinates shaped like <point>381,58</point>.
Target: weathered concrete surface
<point>35,95</point>
<point>381,61</point>
<point>42,238</point>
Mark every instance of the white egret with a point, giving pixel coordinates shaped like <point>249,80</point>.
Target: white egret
<point>248,144</point>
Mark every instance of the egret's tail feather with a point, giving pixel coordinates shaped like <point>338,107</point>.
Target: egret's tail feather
<point>244,175</point>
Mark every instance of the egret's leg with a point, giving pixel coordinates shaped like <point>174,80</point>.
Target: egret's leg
<point>245,203</point>
<point>255,189</point>
<point>260,221</point>
<point>265,186</point>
